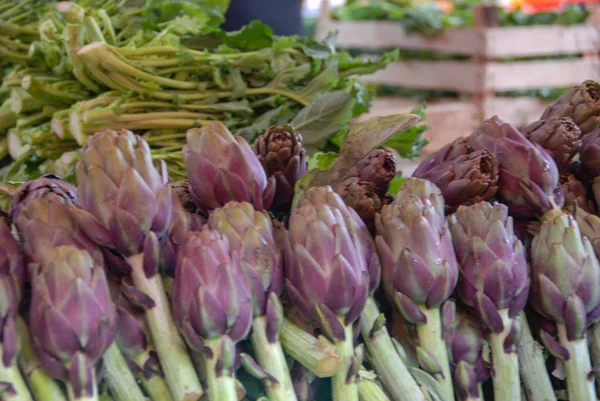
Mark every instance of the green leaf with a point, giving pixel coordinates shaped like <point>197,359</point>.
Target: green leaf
<point>408,144</point>
<point>396,183</point>
<point>277,116</point>
<point>254,36</point>
<point>318,121</point>
<point>321,160</point>
<point>428,382</point>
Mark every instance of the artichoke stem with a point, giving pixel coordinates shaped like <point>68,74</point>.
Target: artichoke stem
<point>271,358</point>
<point>431,339</point>
<point>532,366</point>
<point>370,390</point>
<point>390,368</point>
<point>221,385</point>
<point>172,353</point>
<point>43,387</point>
<point>507,385</point>
<point>11,374</point>
<point>85,397</point>
<point>317,355</point>
<point>578,366</point>
<point>344,388</point>
<point>119,378</point>
<point>156,387</point>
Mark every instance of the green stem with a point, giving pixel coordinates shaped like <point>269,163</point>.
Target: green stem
<point>92,397</point>
<point>388,365</point>
<point>344,388</point>
<point>578,367</point>
<point>120,380</point>
<point>431,339</point>
<point>166,115</point>
<point>221,386</point>
<point>532,366</point>
<point>172,353</point>
<point>7,117</point>
<point>74,42</point>
<point>271,358</point>
<point>370,390</point>
<point>507,385</point>
<point>317,355</point>
<point>12,56</point>
<point>12,374</point>
<point>51,94</point>
<point>156,387</point>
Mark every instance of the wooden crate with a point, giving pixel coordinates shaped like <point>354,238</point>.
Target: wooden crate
<point>484,73</point>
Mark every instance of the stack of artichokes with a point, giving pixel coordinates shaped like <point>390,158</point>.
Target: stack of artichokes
<point>258,279</point>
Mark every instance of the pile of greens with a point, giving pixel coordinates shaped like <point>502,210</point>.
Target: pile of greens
<point>159,68</point>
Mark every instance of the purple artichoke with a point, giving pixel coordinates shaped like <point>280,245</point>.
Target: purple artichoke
<point>41,211</point>
<point>124,197</point>
<point>12,281</point>
<point>529,181</point>
<point>182,189</point>
<point>458,147</point>
<point>465,344</point>
<point>492,262</point>
<point>379,169</point>
<point>281,153</point>
<point>211,295</point>
<point>589,156</point>
<point>326,274</point>
<point>589,225</point>
<point>326,196</point>
<point>224,168</point>
<point>250,232</point>
<point>361,196</point>
<point>182,222</point>
<point>560,136</point>
<point>575,193</point>
<point>72,316</point>
<point>465,179</point>
<point>581,104</point>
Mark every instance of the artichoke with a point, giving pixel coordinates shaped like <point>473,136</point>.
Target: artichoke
<point>419,267</point>
<point>589,156</point>
<point>589,225</point>
<point>458,147</point>
<point>127,206</point>
<point>281,153</point>
<point>182,189</point>
<point>529,181</point>
<point>182,222</point>
<point>560,136</point>
<point>575,193</point>
<point>362,197</point>
<point>328,282</point>
<point>12,281</point>
<point>494,282</point>
<point>465,179</point>
<point>73,317</point>
<point>581,104</point>
<point>465,342</point>
<point>378,169</point>
<point>224,168</point>
<point>565,277</point>
<point>47,186</point>
<point>212,306</point>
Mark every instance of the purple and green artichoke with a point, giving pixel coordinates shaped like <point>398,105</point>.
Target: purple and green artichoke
<point>72,317</point>
<point>589,156</point>
<point>281,153</point>
<point>581,104</point>
<point>182,189</point>
<point>124,197</point>
<point>378,169</point>
<point>458,147</point>
<point>589,225</point>
<point>529,179</point>
<point>465,179</point>
<point>224,168</point>
<point>575,193</point>
<point>362,197</point>
<point>560,136</point>
<point>326,195</point>
<point>493,265</point>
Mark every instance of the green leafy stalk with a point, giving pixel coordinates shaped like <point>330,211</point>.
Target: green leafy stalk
<point>369,389</point>
<point>172,353</point>
<point>119,378</point>
<point>317,355</point>
<point>431,339</point>
<point>578,367</point>
<point>532,366</point>
<point>392,371</point>
<point>271,358</point>
<point>507,385</point>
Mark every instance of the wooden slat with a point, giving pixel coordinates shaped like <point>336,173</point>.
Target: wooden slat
<point>522,75</point>
<point>456,76</point>
<point>371,35</point>
<point>534,41</point>
<point>518,111</point>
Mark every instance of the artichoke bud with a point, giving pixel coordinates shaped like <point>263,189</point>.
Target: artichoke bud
<point>589,155</point>
<point>581,103</point>
<point>560,136</point>
<point>378,169</point>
